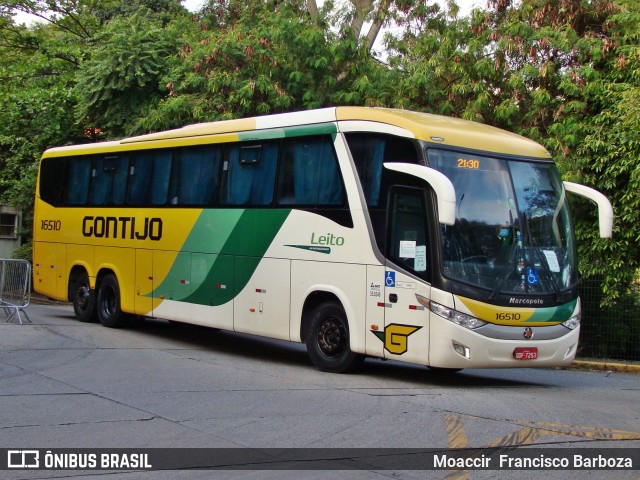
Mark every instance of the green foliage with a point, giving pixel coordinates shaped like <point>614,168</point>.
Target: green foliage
<point>36,106</point>
<point>24,252</point>
<point>121,77</point>
<point>260,58</point>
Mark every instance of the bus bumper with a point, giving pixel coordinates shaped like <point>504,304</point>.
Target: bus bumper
<point>453,346</point>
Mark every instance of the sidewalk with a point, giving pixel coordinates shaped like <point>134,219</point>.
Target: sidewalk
<point>606,365</point>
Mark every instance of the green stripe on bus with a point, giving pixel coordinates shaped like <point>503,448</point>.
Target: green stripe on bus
<point>558,314</point>
<point>287,132</point>
<point>225,233</point>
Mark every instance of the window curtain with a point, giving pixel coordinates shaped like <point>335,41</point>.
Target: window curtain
<point>108,181</point>
<point>79,177</point>
<point>316,176</point>
<point>251,183</point>
<point>149,178</point>
<point>196,178</point>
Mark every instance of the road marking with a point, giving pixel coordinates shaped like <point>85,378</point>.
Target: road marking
<point>524,436</point>
<point>457,439</point>
<point>455,431</point>
<point>527,435</point>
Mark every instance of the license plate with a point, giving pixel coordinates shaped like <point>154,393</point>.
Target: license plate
<point>523,353</point>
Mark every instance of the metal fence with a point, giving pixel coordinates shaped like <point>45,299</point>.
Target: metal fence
<point>15,288</point>
<point>609,331</point>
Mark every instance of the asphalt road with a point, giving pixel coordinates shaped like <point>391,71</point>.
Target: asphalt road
<point>66,384</point>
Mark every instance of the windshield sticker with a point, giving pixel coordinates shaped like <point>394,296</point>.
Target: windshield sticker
<point>552,260</point>
<point>407,249</point>
<point>420,264</point>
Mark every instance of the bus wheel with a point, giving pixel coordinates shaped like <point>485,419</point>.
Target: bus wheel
<point>108,304</point>
<point>84,299</point>
<point>327,340</point>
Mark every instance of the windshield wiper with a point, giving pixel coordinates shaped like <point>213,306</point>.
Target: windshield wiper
<point>513,258</point>
<point>543,261</point>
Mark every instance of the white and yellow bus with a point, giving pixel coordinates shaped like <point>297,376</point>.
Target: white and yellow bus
<point>359,231</point>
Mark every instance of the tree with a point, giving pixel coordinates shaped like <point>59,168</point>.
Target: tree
<point>121,79</point>
<point>37,112</point>
<point>608,154</point>
<point>39,71</point>
<point>260,57</point>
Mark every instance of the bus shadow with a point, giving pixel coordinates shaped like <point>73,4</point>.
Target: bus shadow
<point>284,353</point>
<point>468,378</point>
<point>229,343</point>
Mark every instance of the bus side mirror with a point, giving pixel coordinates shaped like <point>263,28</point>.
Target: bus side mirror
<point>605,210</point>
<point>443,187</point>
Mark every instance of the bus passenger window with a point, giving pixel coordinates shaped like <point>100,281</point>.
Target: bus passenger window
<point>108,180</point>
<point>249,174</point>
<point>52,180</point>
<point>309,174</point>
<point>369,152</point>
<point>195,176</point>
<point>149,178</point>
<point>77,188</point>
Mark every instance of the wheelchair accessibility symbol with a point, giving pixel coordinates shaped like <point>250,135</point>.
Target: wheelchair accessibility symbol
<point>532,277</point>
<point>390,279</point>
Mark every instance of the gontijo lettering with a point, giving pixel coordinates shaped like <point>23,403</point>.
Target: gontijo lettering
<point>122,227</point>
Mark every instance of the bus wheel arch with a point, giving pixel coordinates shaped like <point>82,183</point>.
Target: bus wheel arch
<point>82,295</point>
<point>325,331</point>
<point>108,300</point>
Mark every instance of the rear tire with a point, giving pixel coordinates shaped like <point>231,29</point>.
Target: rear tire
<point>108,305</point>
<point>84,299</point>
<point>327,340</point>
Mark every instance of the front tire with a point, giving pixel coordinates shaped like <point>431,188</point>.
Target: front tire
<point>84,299</point>
<point>108,305</point>
<point>327,340</point>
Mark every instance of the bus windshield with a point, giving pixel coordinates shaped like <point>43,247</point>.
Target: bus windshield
<point>512,232</point>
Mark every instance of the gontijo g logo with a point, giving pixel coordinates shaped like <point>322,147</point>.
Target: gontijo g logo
<point>396,337</point>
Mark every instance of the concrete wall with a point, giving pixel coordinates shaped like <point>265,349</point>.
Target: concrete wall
<point>10,223</point>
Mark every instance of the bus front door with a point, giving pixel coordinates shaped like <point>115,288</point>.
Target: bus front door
<point>406,323</point>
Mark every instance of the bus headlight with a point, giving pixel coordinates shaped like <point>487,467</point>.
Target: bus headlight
<point>574,321</point>
<point>459,318</point>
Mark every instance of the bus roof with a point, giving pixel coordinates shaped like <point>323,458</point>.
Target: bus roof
<point>437,129</point>
<point>449,131</point>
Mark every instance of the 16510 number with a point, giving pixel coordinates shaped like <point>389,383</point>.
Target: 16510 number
<point>51,225</point>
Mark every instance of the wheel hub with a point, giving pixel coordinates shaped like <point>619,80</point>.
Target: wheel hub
<point>331,337</point>
<point>83,296</point>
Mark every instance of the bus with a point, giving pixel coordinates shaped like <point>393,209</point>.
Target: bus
<point>360,232</point>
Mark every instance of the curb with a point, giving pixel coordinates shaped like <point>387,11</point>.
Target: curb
<point>604,365</point>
